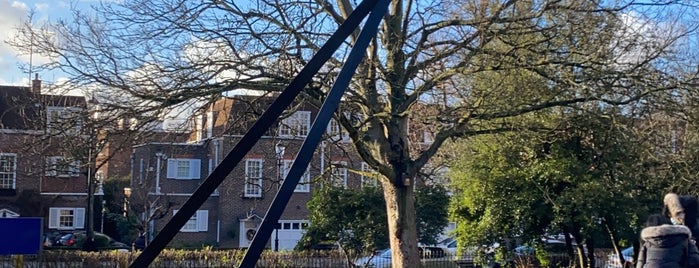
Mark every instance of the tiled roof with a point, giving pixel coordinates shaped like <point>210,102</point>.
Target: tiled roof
<point>21,109</point>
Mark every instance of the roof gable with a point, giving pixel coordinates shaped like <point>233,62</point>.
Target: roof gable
<point>22,109</point>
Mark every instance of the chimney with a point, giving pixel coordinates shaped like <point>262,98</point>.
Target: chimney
<point>36,84</point>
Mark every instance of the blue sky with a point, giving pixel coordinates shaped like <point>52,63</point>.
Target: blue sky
<point>12,14</point>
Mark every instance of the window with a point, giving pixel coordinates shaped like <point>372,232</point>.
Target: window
<point>66,120</point>
<point>199,222</point>
<point>336,132</point>
<point>338,177</point>
<point>439,176</point>
<point>253,178</point>
<point>141,165</point>
<point>66,218</point>
<point>60,167</point>
<point>292,225</point>
<point>8,170</point>
<point>369,176</point>
<point>296,124</point>
<point>183,169</point>
<point>304,181</point>
<point>427,136</point>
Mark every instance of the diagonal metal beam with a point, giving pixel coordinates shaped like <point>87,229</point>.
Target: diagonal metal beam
<point>252,136</point>
<point>305,154</point>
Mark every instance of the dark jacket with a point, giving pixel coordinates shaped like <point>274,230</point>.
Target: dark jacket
<point>667,246</point>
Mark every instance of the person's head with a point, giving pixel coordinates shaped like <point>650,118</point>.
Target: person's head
<point>657,220</point>
<point>673,208</point>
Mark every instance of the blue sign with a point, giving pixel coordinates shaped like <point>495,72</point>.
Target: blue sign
<point>25,234</point>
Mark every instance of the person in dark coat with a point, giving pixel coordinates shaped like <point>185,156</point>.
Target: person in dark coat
<point>682,210</point>
<point>666,245</point>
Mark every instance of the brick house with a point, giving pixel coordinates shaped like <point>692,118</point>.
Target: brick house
<point>39,175</point>
<point>165,175</point>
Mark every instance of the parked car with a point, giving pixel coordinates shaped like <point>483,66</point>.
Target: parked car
<point>450,245</point>
<point>51,238</point>
<point>466,256</point>
<point>555,249</point>
<point>614,262</point>
<point>77,239</point>
<point>430,256</point>
<point>552,246</point>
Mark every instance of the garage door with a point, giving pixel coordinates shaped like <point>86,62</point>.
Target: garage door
<point>290,232</point>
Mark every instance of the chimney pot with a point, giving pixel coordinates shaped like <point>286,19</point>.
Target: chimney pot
<point>36,84</point>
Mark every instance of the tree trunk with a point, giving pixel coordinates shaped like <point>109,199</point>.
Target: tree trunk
<point>400,205</point>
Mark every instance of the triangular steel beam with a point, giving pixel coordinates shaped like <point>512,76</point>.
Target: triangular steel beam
<point>234,157</point>
<point>305,154</point>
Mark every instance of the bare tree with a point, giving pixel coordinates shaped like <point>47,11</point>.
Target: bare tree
<point>149,58</point>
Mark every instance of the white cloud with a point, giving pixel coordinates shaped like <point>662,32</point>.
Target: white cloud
<point>41,7</point>
<point>11,14</point>
<point>640,38</point>
<point>208,51</point>
<point>19,5</point>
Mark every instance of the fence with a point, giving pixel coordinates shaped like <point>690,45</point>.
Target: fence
<point>231,258</point>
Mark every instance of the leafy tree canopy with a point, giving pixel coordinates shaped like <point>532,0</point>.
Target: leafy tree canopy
<point>357,218</point>
<point>586,178</point>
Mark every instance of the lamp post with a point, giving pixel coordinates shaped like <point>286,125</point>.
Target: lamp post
<point>100,193</point>
<point>279,150</point>
<point>89,244</point>
<point>92,149</point>
<point>104,210</point>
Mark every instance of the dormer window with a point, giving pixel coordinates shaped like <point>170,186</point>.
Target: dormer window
<point>63,120</point>
<point>296,125</point>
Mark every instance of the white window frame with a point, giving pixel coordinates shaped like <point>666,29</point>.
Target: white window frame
<point>199,222</point>
<point>339,173</point>
<point>296,125</point>
<point>59,116</point>
<point>304,185</point>
<point>336,132</point>
<point>253,177</point>
<point>184,168</point>
<point>369,181</point>
<point>293,225</point>
<point>141,165</point>
<point>8,170</point>
<point>77,218</point>
<point>65,169</point>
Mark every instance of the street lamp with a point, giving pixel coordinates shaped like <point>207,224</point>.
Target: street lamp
<point>279,149</point>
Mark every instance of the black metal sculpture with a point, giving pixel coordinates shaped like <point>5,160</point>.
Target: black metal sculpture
<point>377,8</point>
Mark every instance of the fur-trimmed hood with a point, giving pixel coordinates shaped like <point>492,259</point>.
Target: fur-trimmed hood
<point>665,235</point>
